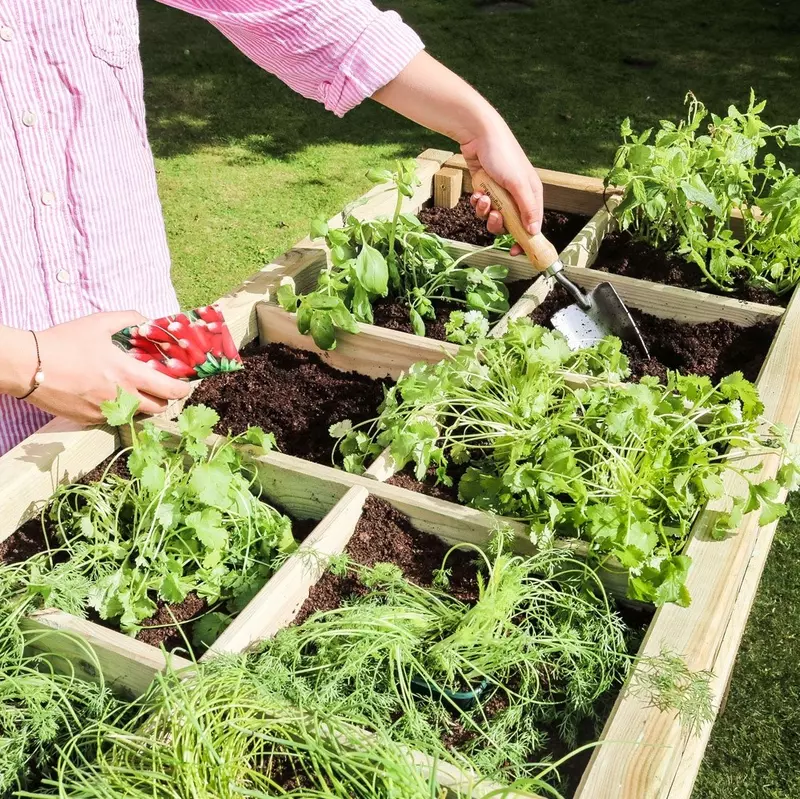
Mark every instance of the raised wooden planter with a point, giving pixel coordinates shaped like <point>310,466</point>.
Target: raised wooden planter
<point>646,753</point>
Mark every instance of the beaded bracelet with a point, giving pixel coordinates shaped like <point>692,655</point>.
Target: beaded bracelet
<point>38,377</point>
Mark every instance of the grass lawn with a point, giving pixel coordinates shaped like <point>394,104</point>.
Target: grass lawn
<point>244,164</point>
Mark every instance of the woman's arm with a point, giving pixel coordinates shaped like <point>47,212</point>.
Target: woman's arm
<point>340,52</point>
<point>427,92</point>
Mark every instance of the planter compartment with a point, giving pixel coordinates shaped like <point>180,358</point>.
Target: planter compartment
<point>647,752</point>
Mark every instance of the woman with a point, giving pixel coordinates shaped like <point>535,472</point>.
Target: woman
<point>83,233</point>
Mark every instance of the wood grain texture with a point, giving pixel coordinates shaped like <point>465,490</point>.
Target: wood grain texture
<point>646,753</point>
<point>279,601</point>
<point>60,452</point>
<point>447,187</point>
<point>563,191</point>
<point>374,351</point>
<point>127,665</point>
<point>673,302</point>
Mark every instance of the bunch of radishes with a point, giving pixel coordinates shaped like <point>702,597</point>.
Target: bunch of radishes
<point>192,344</point>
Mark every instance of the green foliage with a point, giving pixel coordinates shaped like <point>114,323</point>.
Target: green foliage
<point>683,185</point>
<point>625,466</point>
<point>541,646</point>
<point>388,257</point>
<point>40,709</point>
<point>229,732</point>
<point>185,520</point>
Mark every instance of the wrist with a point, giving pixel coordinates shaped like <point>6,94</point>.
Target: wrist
<point>20,361</point>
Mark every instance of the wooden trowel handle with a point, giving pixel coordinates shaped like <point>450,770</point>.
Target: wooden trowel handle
<point>541,253</point>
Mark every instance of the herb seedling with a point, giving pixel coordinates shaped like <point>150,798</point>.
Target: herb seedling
<point>624,466</point>
<point>683,185</point>
<point>389,257</point>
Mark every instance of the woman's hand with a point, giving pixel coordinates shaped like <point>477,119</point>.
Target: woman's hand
<point>82,368</point>
<point>430,94</point>
<point>498,153</point>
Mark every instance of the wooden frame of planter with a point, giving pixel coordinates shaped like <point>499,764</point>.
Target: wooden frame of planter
<point>647,753</point>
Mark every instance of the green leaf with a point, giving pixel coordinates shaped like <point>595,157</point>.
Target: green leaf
<point>174,587</point>
<point>793,135</point>
<point>372,271</point>
<point>286,297</point>
<point>208,628</point>
<point>672,583</point>
<point>121,410</point>
<point>197,422</point>
<point>417,323</point>
<point>210,483</point>
<point>696,191</point>
<point>322,330</point>
<point>343,319</point>
<point>304,315</point>
<point>152,479</point>
<point>340,429</point>
<point>319,228</point>
<point>207,526</point>
<point>255,435</point>
<point>376,175</point>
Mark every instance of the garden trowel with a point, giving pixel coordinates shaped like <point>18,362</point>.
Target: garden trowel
<point>594,315</point>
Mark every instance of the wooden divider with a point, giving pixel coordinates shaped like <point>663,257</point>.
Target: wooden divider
<point>644,753</point>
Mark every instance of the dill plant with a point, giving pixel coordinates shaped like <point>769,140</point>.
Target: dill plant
<point>224,731</point>
<point>541,648</point>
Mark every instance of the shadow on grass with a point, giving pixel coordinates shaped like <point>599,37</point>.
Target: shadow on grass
<point>563,74</point>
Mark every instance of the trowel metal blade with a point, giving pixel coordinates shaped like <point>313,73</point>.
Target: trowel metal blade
<point>607,315</point>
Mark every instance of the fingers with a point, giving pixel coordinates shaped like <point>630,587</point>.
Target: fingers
<point>494,224</point>
<point>527,195</point>
<point>151,405</point>
<point>482,204</point>
<point>114,321</point>
<point>148,380</point>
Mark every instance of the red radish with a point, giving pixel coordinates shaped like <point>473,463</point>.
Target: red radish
<point>193,355</point>
<point>228,347</point>
<point>201,335</point>
<point>208,313</point>
<point>156,333</point>
<point>149,346</point>
<point>141,355</point>
<point>174,368</point>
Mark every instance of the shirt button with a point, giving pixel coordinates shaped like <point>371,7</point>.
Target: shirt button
<point>6,34</point>
<point>29,119</point>
<point>63,276</point>
<point>48,198</point>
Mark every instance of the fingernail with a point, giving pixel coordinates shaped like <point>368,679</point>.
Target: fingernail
<point>535,228</point>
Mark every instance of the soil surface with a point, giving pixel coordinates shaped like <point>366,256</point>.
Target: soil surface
<point>384,535</point>
<point>461,224</point>
<point>392,313</point>
<point>160,628</point>
<point>292,394</point>
<point>621,254</point>
<point>428,486</point>
<point>714,349</point>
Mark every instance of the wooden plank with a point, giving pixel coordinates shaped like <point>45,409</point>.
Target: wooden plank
<point>61,451</point>
<point>280,600</point>
<point>375,351</point>
<point>447,187</point>
<point>673,302</point>
<point>577,194</point>
<point>128,666</point>
<point>644,750</point>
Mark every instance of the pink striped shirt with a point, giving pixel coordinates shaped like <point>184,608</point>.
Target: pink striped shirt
<point>81,222</point>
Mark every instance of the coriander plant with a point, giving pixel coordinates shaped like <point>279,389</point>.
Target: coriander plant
<point>624,466</point>
<point>187,519</point>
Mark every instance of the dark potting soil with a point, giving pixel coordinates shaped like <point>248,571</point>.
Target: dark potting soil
<point>292,394</point>
<point>428,486</point>
<point>384,535</point>
<point>714,349</point>
<point>392,312</point>
<point>461,224</point>
<point>160,628</point>
<point>621,254</point>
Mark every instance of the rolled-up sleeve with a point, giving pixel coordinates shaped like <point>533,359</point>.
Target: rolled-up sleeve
<point>338,52</point>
